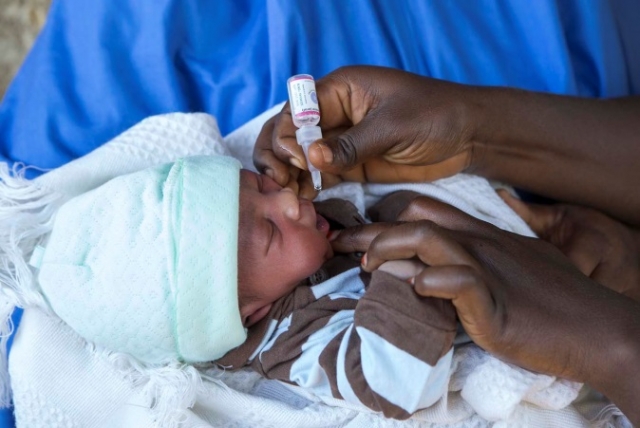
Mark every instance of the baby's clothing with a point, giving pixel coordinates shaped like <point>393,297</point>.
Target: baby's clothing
<point>365,338</point>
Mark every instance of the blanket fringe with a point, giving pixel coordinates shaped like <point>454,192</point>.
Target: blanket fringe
<point>26,217</point>
<point>171,389</point>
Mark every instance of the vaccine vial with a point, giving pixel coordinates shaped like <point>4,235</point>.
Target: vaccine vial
<point>303,100</point>
<point>305,113</point>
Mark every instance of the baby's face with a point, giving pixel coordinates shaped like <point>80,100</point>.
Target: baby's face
<point>281,241</point>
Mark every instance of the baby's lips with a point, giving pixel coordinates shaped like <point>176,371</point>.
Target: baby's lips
<point>323,225</point>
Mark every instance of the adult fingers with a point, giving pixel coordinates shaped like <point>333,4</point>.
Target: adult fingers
<point>381,170</point>
<point>403,269</point>
<point>450,273</point>
<point>542,219</point>
<point>276,147</point>
<point>424,240</point>
<point>363,141</point>
<point>344,102</point>
<point>466,289</point>
<point>585,249</point>
<point>581,243</point>
<point>445,215</point>
<point>389,207</point>
<point>294,179</point>
<point>401,169</point>
<point>407,206</point>
<point>357,238</point>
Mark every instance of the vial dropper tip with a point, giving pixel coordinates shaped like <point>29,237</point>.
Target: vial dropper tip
<point>317,179</point>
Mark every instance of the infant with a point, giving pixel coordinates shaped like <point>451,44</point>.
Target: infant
<point>200,261</point>
<point>343,333</point>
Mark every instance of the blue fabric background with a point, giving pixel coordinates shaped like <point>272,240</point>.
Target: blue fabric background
<point>98,67</point>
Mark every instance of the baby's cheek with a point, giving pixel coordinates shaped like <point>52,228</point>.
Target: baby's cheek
<point>322,258</point>
<point>311,261</point>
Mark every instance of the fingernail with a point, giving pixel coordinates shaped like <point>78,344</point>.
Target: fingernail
<point>327,154</point>
<point>295,162</point>
<point>333,234</point>
<point>412,280</point>
<point>363,260</point>
<point>269,173</point>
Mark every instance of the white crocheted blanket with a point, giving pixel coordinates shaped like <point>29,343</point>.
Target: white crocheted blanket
<point>60,381</point>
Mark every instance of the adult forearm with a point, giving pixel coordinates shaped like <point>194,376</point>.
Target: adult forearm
<point>580,150</point>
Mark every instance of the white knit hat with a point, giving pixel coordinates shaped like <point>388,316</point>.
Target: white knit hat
<point>147,263</point>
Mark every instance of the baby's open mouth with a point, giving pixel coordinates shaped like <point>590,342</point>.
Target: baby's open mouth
<point>322,224</point>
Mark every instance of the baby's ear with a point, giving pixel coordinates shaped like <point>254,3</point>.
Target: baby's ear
<point>256,315</point>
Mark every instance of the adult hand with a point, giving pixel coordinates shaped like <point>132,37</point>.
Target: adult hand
<point>385,125</point>
<point>602,248</point>
<point>517,297</point>
<point>379,125</point>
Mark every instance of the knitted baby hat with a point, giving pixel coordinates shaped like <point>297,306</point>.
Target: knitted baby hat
<point>147,263</point>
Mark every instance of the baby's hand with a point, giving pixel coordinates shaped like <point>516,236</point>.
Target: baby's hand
<point>601,247</point>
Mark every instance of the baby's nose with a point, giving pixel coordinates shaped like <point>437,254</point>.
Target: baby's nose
<point>290,203</point>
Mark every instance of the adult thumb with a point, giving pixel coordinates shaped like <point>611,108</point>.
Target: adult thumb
<point>355,145</point>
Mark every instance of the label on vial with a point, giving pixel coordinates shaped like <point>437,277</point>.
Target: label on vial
<point>303,98</point>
